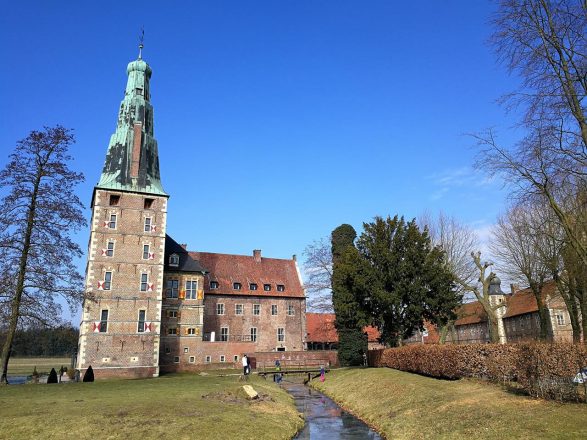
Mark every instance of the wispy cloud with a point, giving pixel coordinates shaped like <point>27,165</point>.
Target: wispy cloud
<point>457,178</point>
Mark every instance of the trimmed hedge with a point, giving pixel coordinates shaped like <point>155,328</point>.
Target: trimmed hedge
<point>542,370</point>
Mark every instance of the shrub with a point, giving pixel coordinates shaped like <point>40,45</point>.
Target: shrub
<point>52,376</point>
<point>89,376</point>
<point>542,370</point>
<point>351,346</point>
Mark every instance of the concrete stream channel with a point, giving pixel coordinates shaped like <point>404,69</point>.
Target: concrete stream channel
<point>324,418</point>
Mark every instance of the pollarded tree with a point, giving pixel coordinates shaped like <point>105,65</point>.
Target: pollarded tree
<point>404,279</point>
<point>37,215</point>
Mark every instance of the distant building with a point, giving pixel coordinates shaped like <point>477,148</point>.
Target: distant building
<point>151,304</point>
<point>322,334</point>
<point>519,320</point>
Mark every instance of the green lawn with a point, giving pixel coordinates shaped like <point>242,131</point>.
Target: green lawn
<point>24,366</point>
<point>173,406</point>
<point>407,406</point>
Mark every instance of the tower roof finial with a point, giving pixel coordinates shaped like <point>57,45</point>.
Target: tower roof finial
<point>141,42</point>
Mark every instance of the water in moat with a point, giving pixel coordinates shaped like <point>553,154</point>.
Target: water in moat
<point>324,418</point>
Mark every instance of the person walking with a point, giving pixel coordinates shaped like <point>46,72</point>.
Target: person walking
<point>245,362</point>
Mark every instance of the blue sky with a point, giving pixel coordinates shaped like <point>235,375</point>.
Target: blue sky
<point>276,120</point>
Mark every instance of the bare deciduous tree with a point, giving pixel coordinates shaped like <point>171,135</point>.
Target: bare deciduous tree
<point>516,244</point>
<point>318,274</point>
<point>37,214</point>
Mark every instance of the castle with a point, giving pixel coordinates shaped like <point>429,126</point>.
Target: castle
<point>153,306</point>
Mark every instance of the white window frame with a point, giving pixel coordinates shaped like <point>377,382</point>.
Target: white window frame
<point>148,224</point>
<point>291,311</point>
<point>144,282</point>
<point>208,359</point>
<point>176,359</point>
<point>141,323</point>
<point>256,309</point>
<point>191,292</point>
<point>280,334</point>
<point>222,358</point>
<point>192,359</point>
<point>253,334</point>
<point>174,260</point>
<point>146,251</point>
<point>236,309</point>
<point>220,309</point>
<point>104,328</point>
<point>274,310</point>
<point>560,319</point>
<point>173,291</point>
<point>110,248</point>
<point>224,337</point>
<point>112,222</point>
<point>107,279</point>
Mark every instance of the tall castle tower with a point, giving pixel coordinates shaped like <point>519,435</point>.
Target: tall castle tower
<point>120,327</point>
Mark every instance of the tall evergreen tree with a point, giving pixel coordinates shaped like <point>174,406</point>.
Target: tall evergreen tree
<point>350,317</point>
<point>404,279</point>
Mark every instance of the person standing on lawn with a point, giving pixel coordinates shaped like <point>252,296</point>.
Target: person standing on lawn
<point>245,361</point>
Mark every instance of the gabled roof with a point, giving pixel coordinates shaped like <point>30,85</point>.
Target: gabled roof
<point>227,269</point>
<point>524,301</point>
<point>470,313</point>
<point>320,328</point>
<point>186,263</point>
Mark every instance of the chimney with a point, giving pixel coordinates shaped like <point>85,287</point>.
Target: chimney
<point>514,288</point>
<point>184,245</point>
<point>294,257</point>
<point>257,255</point>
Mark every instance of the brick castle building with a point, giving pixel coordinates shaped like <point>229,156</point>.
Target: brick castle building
<point>151,305</point>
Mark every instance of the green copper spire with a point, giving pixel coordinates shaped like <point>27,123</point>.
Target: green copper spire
<point>132,161</point>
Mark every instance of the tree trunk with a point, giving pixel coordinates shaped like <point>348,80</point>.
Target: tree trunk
<point>22,267</point>
<point>493,329</point>
<point>543,313</point>
<point>569,299</point>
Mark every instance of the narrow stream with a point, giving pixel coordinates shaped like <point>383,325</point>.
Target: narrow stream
<point>324,418</point>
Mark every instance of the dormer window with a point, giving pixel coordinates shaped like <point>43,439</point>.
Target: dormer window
<point>236,286</point>
<point>174,260</point>
<point>280,288</point>
<point>213,284</point>
<point>253,286</point>
<point>266,287</point>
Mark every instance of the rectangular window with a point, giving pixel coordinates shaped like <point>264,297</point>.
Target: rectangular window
<point>238,309</point>
<point>236,358</point>
<point>167,350</point>
<point>107,281</point>
<point>141,327</point>
<point>220,309</point>
<point>172,288</point>
<point>192,359</point>
<point>191,288</point>
<point>114,200</point>
<point>280,334</point>
<point>172,331</point>
<point>253,334</point>
<point>274,309</point>
<point>256,309</point>
<point>290,310</point>
<point>191,331</point>
<point>560,319</point>
<point>112,222</point>
<point>224,334</point>
<point>253,286</point>
<point>222,358</point>
<point>149,203</point>
<point>266,287</point>
<point>176,359</point>
<point>104,321</point>
<point>144,282</point>
<point>208,359</point>
<point>110,249</point>
<point>148,224</point>
<point>213,284</point>
<point>186,349</point>
<point>280,288</point>
<point>236,286</point>
<point>146,252</point>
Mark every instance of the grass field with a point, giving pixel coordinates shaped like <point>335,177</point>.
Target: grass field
<point>25,366</point>
<point>173,406</point>
<point>406,406</point>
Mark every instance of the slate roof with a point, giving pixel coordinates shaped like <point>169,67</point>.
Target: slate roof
<point>186,262</point>
<point>227,269</point>
<point>320,328</point>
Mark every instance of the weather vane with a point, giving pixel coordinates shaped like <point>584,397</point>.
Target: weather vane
<point>141,42</point>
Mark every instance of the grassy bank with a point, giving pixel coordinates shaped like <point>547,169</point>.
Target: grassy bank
<point>407,406</point>
<point>24,366</point>
<point>174,407</point>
